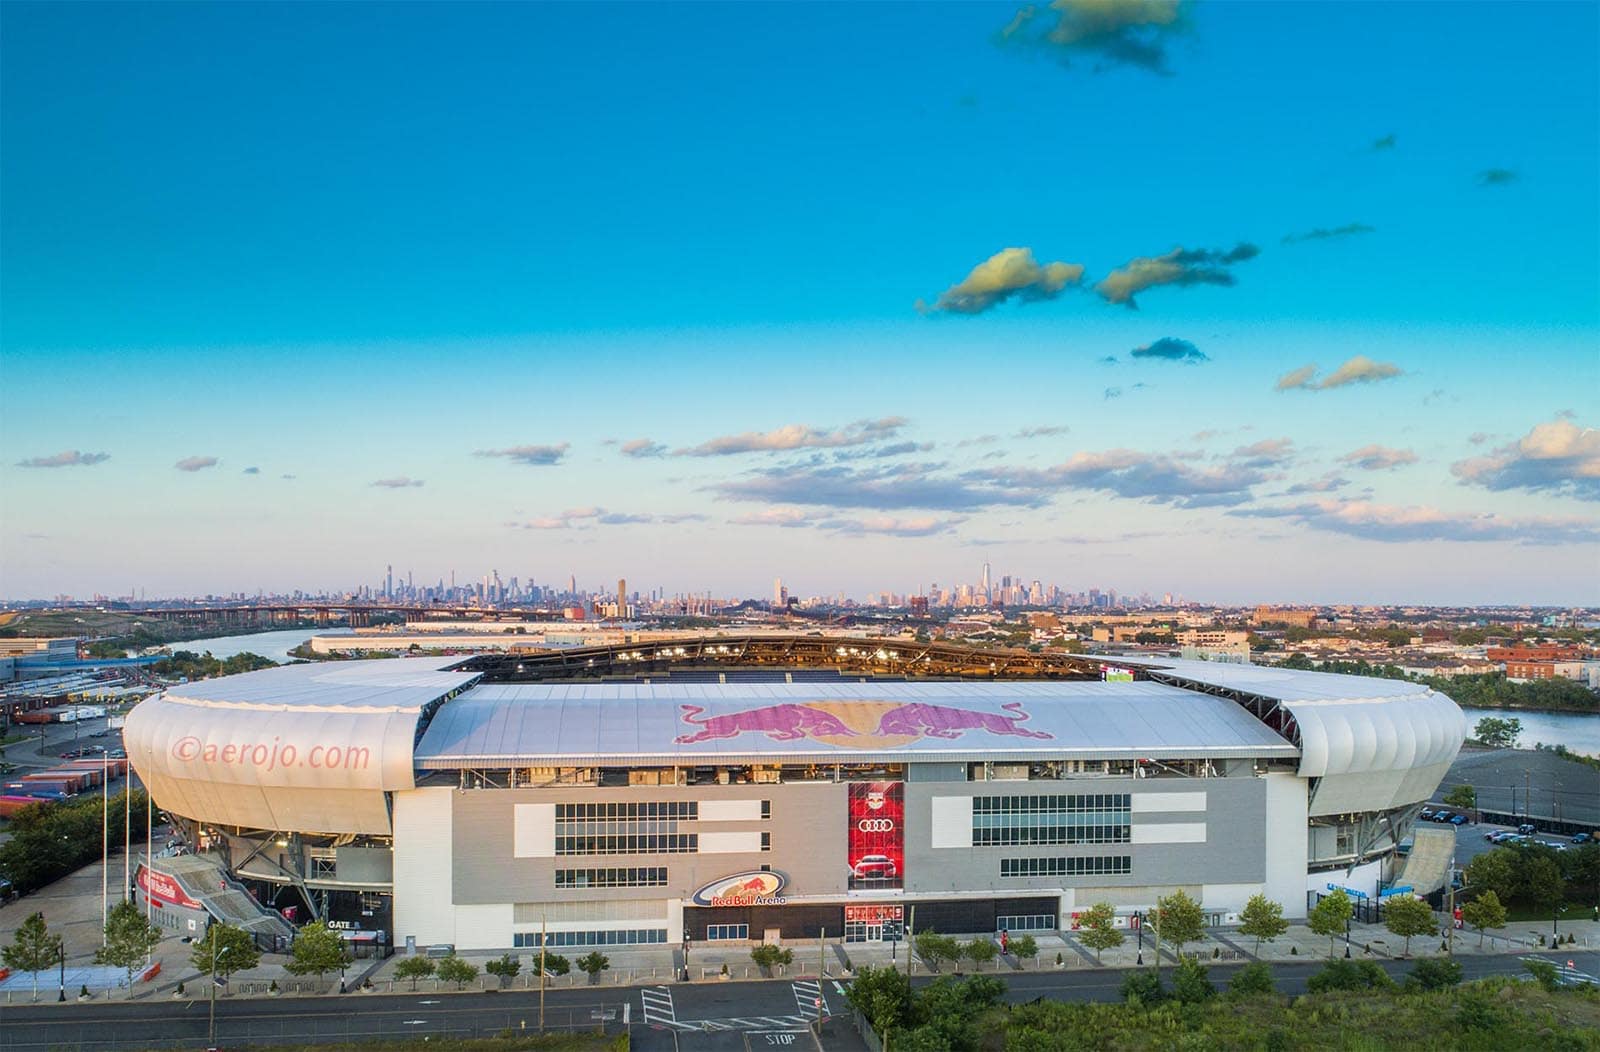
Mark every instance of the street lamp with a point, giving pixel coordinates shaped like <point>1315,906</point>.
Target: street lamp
<point>211,1021</point>
<point>1138,918</point>
<point>61,955</point>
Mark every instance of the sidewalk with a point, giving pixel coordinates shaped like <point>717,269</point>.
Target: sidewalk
<point>655,965</point>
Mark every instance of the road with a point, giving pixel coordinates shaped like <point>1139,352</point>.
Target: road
<point>709,1017</point>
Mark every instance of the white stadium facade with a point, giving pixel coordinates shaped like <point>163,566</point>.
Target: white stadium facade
<point>773,787</point>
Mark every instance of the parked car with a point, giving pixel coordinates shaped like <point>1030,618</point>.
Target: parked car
<point>1458,820</point>
<point>1527,829</point>
<point>1501,836</point>
<point>1583,838</point>
<point>1427,813</point>
<point>1441,816</point>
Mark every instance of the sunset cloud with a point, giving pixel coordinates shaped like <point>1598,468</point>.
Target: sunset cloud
<point>1397,524</point>
<point>1358,370</point>
<point>70,458</point>
<point>398,482</point>
<point>1378,458</point>
<point>1011,272</point>
<point>1180,267</point>
<point>532,456</point>
<point>797,436</point>
<point>196,463</point>
<point>1556,457</point>
<point>1121,32</point>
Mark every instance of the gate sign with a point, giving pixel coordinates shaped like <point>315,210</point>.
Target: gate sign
<point>1352,892</point>
<point>752,888</point>
<point>875,914</point>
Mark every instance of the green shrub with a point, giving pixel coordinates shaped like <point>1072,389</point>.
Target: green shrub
<point>1253,979</point>
<point>1349,975</point>
<point>1434,975</point>
<point>1142,987</point>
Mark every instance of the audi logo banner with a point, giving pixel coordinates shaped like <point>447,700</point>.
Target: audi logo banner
<point>877,849</point>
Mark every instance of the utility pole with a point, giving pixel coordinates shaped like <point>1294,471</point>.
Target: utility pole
<point>543,940</point>
<point>822,964</point>
<point>105,853</point>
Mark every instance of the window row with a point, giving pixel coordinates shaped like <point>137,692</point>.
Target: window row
<point>1025,804</point>
<point>623,825</point>
<point>1079,866</point>
<point>1051,835</point>
<point>632,937</point>
<point>1026,922</point>
<point>660,844</point>
<point>727,932</point>
<point>622,877</point>
<point>1049,818</point>
<point>685,809</point>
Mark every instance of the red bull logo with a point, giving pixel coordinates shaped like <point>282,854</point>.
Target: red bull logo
<point>858,724</point>
<point>755,888</point>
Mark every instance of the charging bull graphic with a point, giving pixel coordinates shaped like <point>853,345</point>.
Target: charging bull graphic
<point>858,724</point>
<point>781,723</point>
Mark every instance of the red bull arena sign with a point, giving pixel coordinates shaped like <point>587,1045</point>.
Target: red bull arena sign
<point>752,888</point>
<point>855,724</point>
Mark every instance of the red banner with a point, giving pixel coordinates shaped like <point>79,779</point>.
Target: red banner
<point>877,839</point>
<point>874,914</point>
<point>165,891</point>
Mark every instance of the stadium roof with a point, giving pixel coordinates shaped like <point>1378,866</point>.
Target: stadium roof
<point>688,724</point>
<point>356,686</point>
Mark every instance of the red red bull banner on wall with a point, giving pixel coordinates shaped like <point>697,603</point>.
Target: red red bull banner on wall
<point>877,837</point>
<point>163,890</point>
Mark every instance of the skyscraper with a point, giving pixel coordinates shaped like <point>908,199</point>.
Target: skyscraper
<point>986,592</point>
<point>622,597</point>
<point>388,583</point>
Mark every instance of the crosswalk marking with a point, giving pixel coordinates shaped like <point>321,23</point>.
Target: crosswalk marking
<point>809,999</point>
<point>657,1003</point>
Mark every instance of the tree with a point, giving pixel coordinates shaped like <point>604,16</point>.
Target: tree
<point>1189,982</point>
<point>1097,929</point>
<point>414,967</point>
<point>1497,733</point>
<point>1262,918</point>
<point>1541,880</point>
<point>933,948</point>
<point>1463,797</point>
<point>453,969</point>
<point>1408,917</point>
<point>32,949</point>
<point>318,949</point>
<point>129,939</point>
<point>883,995</point>
<point>1495,871</point>
<point>1254,978</point>
<point>1483,913</point>
<point>593,963</point>
<point>1330,916</point>
<point>766,955</point>
<point>980,951</point>
<point>1179,920</point>
<point>504,968</point>
<point>232,949</point>
<point>1024,948</point>
<point>555,964</point>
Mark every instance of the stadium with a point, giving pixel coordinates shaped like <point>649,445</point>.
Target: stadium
<point>774,788</point>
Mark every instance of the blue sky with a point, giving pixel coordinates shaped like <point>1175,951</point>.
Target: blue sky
<point>377,243</point>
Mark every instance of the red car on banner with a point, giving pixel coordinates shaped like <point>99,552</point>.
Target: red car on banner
<point>877,838</point>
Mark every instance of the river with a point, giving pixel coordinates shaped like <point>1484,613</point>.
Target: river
<point>1579,732</point>
<point>275,645</point>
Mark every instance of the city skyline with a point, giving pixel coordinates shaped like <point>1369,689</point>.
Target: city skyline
<point>859,297</point>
